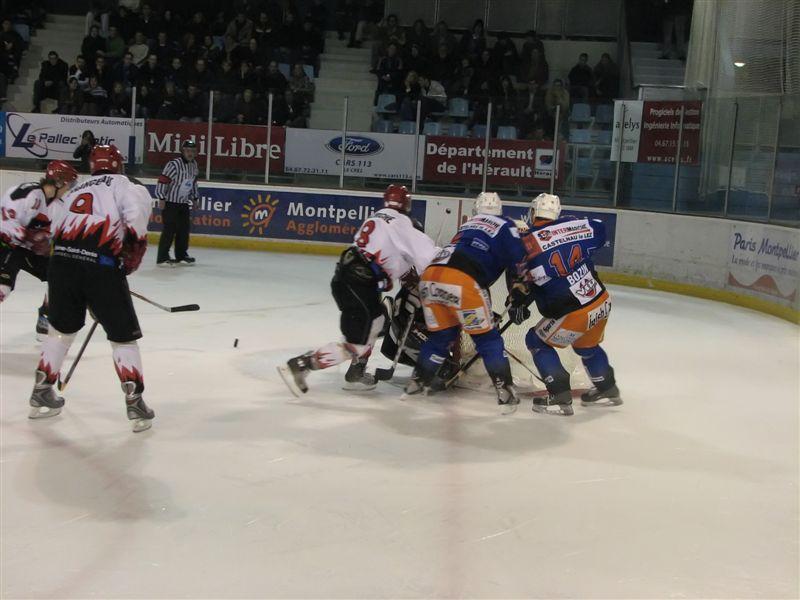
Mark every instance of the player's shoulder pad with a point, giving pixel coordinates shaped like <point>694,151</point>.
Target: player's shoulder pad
<point>23,189</point>
<point>134,180</point>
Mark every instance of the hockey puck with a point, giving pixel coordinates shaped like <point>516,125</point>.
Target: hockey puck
<point>447,210</point>
<point>236,343</point>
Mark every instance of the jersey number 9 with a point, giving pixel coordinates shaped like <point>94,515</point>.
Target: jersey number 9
<point>82,204</point>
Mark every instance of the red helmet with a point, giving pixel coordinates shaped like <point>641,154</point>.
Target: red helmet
<point>61,171</point>
<point>397,197</point>
<point>106,159</point>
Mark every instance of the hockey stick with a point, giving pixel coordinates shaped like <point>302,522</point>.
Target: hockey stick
<point>465,367</point>
<point>384,374</point>
<point>63,384</point>
<point>172,309</point>
<point>526,367</point>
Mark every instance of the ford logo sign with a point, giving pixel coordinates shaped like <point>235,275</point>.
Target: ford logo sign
<point>358,145</point>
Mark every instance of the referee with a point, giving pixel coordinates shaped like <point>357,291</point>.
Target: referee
<point>176,191</point>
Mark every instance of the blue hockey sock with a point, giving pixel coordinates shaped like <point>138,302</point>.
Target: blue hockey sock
<point>548,363</point>
<point>490,346</point>
<point>596,362</point>
<point>435,351</point>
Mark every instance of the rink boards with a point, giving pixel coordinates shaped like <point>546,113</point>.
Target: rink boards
<point>748,264</point>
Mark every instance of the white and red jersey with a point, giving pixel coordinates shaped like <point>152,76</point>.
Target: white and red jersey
<point>97,217</point>
<point>26,217</point>
<point>390,240</point>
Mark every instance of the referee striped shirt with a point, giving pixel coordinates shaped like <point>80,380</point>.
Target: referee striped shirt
<point>178,181</point>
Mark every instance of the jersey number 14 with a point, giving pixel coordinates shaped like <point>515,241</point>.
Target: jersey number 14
<point>557,260</point>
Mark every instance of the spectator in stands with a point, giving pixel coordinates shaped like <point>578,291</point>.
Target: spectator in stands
<point>80,72</point>
<point>531,42</point>
<point>557,96</point>
<point>148,23</point>
<point>176,73</point>
<point>505,54</point>
<point>9,67</point>
<point>289,111</point>
<point>407,96</point>
<point>245,78</point>
<point>420,36</point>
<point>189,49</point>
<point>346,17</point>
<point>369,15</point>
<point>199,26</point>
<point>318,14</point>
<point>95,98</point>
<point>248,109</point>
<point>473,42</point>
<point>200,76</point>
<point>164,49</point>
<point>388,33</point>
<point>432,96</point>
<point>442,36</point>
<point>210,52</point>
<point>71,100</point>
<point>606,79</point>
<point>505,103</point>
<point>581,79</point>
<point>266,34</point>
<point>249,54</point>
<point>119,104</point>
<point>536,69</point>
<point>139,49</point>
<point>417,61</point>
<point>172,27</point>
<point>675,16</point>
<point>193,108</point>
<point>147,103</point>
<point>485,80</point>
<point>115,45</point>
<point>125,71</point>
<point>102,72</point>
<point>288,38</point>
<point>52,75</point>
<point>226,82</point>
<point>84,149</point>
<point>301,85</point>
<point>151,73</point>
<point>170,106</point>
<point>311,38</point>
<point>273,80</point>
<point>124,22</point>
<point>444,66</point>
<point>93,45</point>
<point>389,72</point>
<point>462,85</point>
<point>13,43</point>
<point>238,33</point>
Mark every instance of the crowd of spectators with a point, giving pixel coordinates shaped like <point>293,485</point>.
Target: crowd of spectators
<point>16,16</point>
<point>432,66</point>
<point>174,58</point>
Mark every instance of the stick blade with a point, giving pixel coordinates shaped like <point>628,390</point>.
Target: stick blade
<point>384,374</point>
<point>185,308</point>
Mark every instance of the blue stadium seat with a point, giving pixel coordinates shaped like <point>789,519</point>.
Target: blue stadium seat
<point>584,167</point>
<point>479,131</point>
<point>581,113</point>
<point>408,127</point>
<point>383,126</point>
<point>603,137</point>
<point>385,100</point>
<point>580,136</point>
<point>458,108</point>
<point>309,71</point>
<point>507,132</point>
<point>24,32</point>
<point>604,114</point>
<point>432,128</point>
<point>285,69</point>
<point>457,130</point>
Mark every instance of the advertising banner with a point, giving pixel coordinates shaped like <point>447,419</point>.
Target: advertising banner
<point>240,147</point>
<point>55,137</point>
<point>764,259</point>
<point>513,162</point>
<point>261,212</point>
<point>650,131</point>
<point>381,155</point>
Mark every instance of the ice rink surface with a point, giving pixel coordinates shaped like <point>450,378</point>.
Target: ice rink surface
<point>690,489</point>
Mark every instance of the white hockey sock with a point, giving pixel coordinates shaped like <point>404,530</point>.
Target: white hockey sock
<point>54,348</point>
<point>128,363</point>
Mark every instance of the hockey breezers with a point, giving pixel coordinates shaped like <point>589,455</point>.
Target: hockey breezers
<point>385,374</point>
<point>63,384</point>
<point>465,367</point>
<point>172,309</point>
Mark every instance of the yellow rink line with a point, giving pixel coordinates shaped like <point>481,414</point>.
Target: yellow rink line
<point>685,289</point>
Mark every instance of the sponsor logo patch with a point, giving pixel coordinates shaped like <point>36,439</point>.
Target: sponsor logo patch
<point>440,293</point>
<point>599,314</point>
<point>258,213</point>
<point>355,145</point>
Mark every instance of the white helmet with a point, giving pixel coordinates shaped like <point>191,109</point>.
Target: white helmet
<point>545,206</point>
<point>488,203</point>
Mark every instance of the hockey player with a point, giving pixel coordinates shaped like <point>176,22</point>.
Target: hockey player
<point>574,304</point>
<point>455,295</point>
<point>99,239</point>
<point>25,229</point>
<point>386,248</point>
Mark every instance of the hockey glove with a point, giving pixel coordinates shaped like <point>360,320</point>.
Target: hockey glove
<point>517,303</point>
<point>132,252</point>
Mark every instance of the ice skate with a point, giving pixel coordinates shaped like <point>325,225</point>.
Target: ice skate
<point>138,412</point>
<point>507,398</point>
<point>607,397</point>
<point>559,403</point>
<point>357,379</point>
<point>44,400</point>
<point>294,373</point>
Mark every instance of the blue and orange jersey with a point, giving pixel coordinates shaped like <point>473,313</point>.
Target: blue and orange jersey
<point>484,247</point>
<point>559,265</point>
